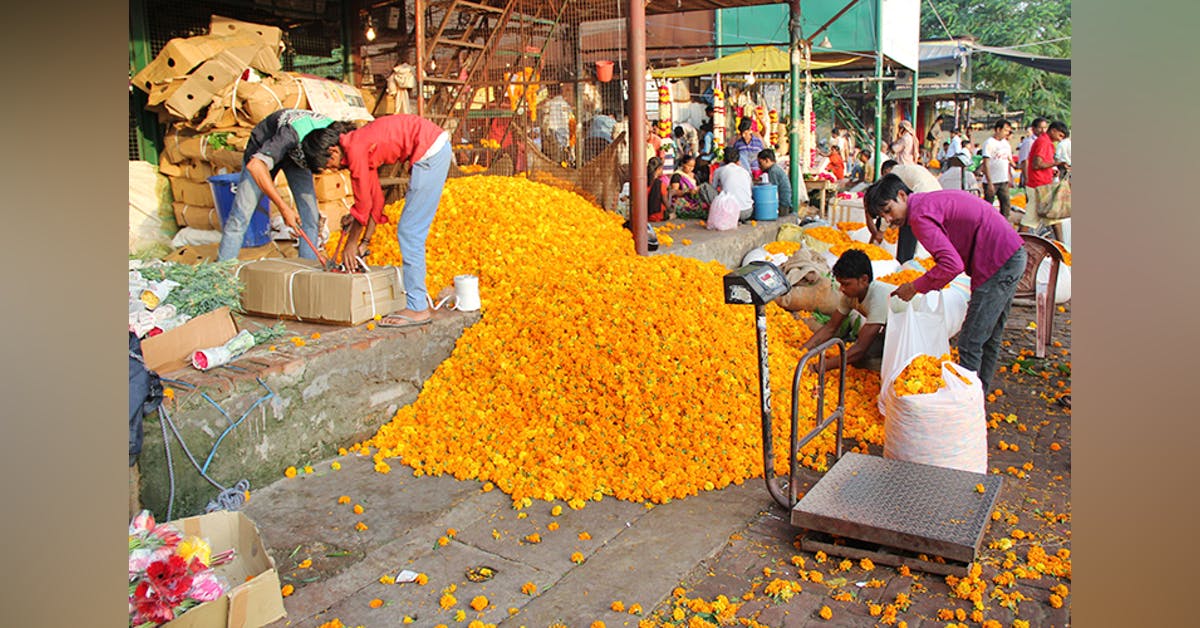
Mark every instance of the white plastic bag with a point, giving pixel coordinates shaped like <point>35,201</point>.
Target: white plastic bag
<point>913,328</point>
<point>1062,288</point>
<point>947,428</point>
<point>723,213</point>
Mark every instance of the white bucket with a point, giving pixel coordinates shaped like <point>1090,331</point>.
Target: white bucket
<point>466,293</point>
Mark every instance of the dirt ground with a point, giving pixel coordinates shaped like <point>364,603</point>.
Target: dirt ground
<point>1024,570</point>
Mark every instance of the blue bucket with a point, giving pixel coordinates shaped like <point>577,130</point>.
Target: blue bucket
<point>224,189</point>
<point>766,201</point>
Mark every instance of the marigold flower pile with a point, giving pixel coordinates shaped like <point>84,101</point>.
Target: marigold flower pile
<point>874,252</point>
<point>901,277</point>
<point>891,235</point>
<point>829,235</point>
<point>923,376</point>
<point>785,247</point>
<point>593,371</point>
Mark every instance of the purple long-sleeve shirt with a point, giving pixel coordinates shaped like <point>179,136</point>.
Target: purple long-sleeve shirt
<point>962,232</point>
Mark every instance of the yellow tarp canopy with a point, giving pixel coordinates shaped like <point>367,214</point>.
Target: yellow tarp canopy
<point>759,59</point>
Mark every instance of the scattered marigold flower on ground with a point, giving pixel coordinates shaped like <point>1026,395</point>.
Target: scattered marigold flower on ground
<point>479,602</point>
<point>635,609</point>
<point>422,579</point>
<point>335,465</point>
<point>488,486</point>
<point>552,526</point>
<point>533,538</point>
<point>304,564</point>
<point>344,499</point>
<point>597,624</point>
<point>447,601</point>
<point>1055,447</point>
<point>460,615</point>
<point>577,558</point>
<point>290,472</point>
<point>556,511</point>
<point>360,526</point>
<point>287,590</point>
<point>866,564</point>
<point>443,541</point>
<point>825,613</point>
<point>358,509</point>
<point>584,536</point>
<point>375,603</point>
<point>617,606</point>
<point>529,588</point>
<point>979,488</point>
<point>387,579</point>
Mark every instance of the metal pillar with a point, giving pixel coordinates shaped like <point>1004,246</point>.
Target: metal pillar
<point>915,104</point>
<point>878,86</point>
<point>347,17</point>
<point>636,33</point>
<point>794,169</point>
<point>420,47</point>
<point>720,39</point>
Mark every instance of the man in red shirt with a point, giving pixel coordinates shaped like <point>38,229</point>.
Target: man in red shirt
<point>390,139</point>
<point>1042,168</point>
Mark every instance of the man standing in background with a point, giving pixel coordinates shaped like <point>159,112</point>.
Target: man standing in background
<point>997,166</point>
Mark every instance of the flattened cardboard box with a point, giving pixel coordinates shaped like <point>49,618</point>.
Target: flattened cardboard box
<point>332,186</point>
<point>298,288</point>
<point>182,54</point>
<point>172,349</point>
<point>254,598</point>
<point>191,192</point>
<point>333,212</point>
<point>198,90</point>
<point>228,27</point>
<point>196,217</point>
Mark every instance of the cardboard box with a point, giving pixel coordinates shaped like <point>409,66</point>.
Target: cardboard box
<point>254,598</point>
<point>191,192</point>
<point>181,55</point>
<point>172,349</point>
<point>298,288</point>
<point>332,186</point>
<point>258,56</point>
<point>196,217</point>
<point>206,81</point>
<point>334,210</point>
<point>270,36</point>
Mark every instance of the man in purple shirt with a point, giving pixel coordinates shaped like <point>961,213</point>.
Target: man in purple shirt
<point>963,233</point>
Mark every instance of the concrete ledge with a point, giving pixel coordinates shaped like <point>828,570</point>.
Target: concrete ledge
<point>332,391</point>
<point>726,247</point>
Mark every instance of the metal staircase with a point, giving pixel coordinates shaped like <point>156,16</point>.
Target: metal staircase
<point>845,112</point>
<point>482,45</point>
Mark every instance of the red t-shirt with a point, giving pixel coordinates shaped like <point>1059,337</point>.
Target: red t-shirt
<point>386,140</point>
<point>1044,147</point>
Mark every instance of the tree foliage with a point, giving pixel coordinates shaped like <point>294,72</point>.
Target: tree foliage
<point>1010,23</point>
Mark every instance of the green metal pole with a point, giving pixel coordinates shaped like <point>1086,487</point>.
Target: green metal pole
<point>139,57</point>
<point>878,86</point>
<point>794,170</point>
<point>720,38</point>
<point>915,104</point>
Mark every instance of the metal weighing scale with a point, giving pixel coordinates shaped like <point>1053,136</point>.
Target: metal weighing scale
<point>890,511</point>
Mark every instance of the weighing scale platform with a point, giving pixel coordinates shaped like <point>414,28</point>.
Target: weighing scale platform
<point>898,504</point>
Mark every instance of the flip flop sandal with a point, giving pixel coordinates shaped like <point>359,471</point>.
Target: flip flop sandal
<point>400,320</point>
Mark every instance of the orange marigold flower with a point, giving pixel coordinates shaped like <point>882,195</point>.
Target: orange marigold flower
<point>577,558</point>
<point>479,602</point>
<point>287,590</point>
<point>447,601</point>
<point>358,509</point>
<point>552,526</point>
<point>360,526</point>
<point>584,536</point>
<point>305,564</point>
<point>375,603</point>
<point>635,609</point>
<point>825,613</point>
<point>290,472</point>
<point>529,588</point>
<point>617,606</point>
<point>422,579</point>
<point>533,538</point>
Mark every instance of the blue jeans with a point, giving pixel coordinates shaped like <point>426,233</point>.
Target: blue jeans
<point>245,203</point>
<point>420,206</point>
<point>987,311</point>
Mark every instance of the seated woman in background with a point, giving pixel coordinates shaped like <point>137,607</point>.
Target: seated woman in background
<point>657,209</point>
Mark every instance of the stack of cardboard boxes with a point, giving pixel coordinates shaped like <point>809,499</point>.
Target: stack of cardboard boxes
<point>210,91</point>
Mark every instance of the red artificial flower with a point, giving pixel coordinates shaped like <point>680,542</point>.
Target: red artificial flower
<point>170,578</point>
